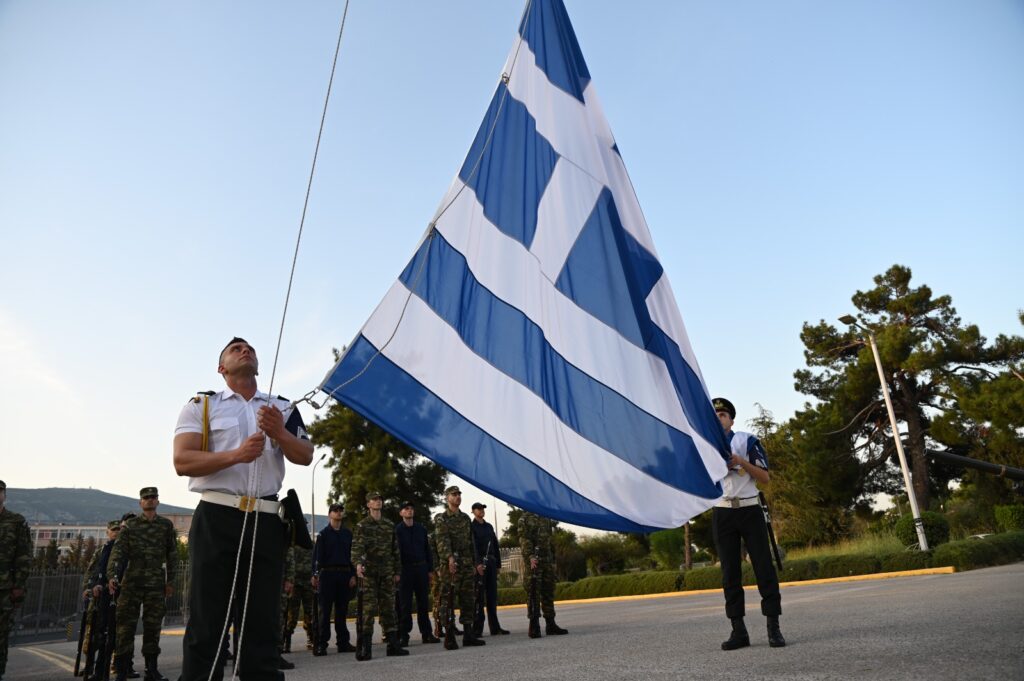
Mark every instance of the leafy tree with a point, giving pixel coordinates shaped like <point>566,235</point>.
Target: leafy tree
<point>51,555</point>
<point>927,352</point>
<point>570,561</point>
<point>667,548</point>
<point>609,553</point>
<point>510,535</point>
<point>365,458</point>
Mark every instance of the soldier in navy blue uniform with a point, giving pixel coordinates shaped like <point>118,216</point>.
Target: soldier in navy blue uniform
<point>334,578</point>
<point>417,566</point>
<point>486,542</point>
<point>737,516</point>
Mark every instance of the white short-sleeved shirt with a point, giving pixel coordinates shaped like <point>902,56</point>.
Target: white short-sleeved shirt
<point>232,420</point>
<point>738,484</point>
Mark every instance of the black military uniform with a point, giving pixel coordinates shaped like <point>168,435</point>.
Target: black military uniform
<point>332,565</point>
<point>417,564</point>
<point>485,541</point>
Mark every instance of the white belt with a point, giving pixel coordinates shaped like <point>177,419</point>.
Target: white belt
<point>244,503</point>
<point>734,502</point>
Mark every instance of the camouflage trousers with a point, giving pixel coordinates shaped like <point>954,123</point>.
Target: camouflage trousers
<point>302,597</point>
<point>545,574</point>
<point>465,593</point>
<point>153,606</point>
<point>6,620</point>
<point>379,601</point>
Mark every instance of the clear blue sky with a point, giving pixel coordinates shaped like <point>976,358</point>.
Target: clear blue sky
<point>154,158</point>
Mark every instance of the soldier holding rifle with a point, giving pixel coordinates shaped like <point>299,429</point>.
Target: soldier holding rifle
<point>457,563</point>
<point>737,516</point>
<point>374,542</point>
<point>486,542</point>
<point>538,550</point>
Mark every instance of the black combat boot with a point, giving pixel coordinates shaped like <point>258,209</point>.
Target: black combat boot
<point>152,673</point>
<point>552,629</point>
<point>395,648</point>
<point>430,638</point>
<point>365,652</point>
<point>346,647</point>
<point>281,663</point>
<point>498,631</point>
<point>533,631</point>
<point>131,673</point>
<point>403,640</point>
<point>775,639</point>
<point>319,651</point>
<point>470,639</point>
<point>739,637</point>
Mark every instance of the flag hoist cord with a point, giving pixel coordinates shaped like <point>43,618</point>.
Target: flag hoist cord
<point>254,479</point>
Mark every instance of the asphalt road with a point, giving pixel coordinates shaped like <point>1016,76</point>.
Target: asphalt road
<point>963,626</point>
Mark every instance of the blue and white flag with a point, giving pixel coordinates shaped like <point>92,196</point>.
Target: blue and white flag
<point>533,345</point>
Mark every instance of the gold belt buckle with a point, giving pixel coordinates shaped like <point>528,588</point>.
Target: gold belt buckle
<point>246,504</point>
<point>734,502</point>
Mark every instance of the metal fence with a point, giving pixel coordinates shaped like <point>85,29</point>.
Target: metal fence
<point>54,603</point>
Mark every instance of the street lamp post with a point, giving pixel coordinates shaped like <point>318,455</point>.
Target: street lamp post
<point>918,523</point>
<point>312,494</point>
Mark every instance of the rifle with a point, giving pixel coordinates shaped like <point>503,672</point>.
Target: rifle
<point>107,639</point>
<point>449,616</point>
<point>771,532</point>
<point>84,633</point>
<point>360,638</point>
<point>479,582</point>
<point>533,603</point>
<point>315,629</point>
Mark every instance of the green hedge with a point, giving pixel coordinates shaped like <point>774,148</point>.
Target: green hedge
<point>1010,518</point>
<point>997,549</point>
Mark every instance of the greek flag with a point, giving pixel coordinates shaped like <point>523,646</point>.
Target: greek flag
<point>533,346</point>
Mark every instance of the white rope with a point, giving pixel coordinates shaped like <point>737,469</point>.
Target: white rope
<point>255,473</point>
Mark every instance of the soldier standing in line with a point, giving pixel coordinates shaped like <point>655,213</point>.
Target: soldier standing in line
<point>15,559</point>
<point>375,552</point>
<point>301,597</point>
<point>417,567</point>
<point>93,585</point>
<point>146,553</point>
<point>287,584</point>
<point>457,563</point>
<point>738,515</point>
<point>538,551</point>
<point>485,540</point>
<point>333,577</point>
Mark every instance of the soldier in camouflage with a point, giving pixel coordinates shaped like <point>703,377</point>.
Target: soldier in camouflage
<point>287,586</point>
<point>375,552</point>
<point>301,597</point>
<point>146,554</point>
<point>15,558</point>
<point>457,563</point>
<point>538,552</point>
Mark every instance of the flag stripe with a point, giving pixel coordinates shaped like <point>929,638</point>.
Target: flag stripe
<point>513,344</point>
<point>548,31</point>
<point>386,394</point>
<point>427,348</point>
<point>569,199</point>
<point>508,167</point>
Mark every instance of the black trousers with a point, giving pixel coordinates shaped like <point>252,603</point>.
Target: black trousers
<point>334,593</point>
<point>730,525</point>
<point>415,580</point>
<point>490,590</point>
<point>212,545</point>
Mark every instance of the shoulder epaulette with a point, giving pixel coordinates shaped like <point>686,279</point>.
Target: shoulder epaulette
<point>198,398</point>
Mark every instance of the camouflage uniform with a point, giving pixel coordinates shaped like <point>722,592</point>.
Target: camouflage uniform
<point>289,576</point>
<point>454,537</point>
<point>535,540</point>
<point>302,593</point>
<point>147,554</point>
<point>374,546</point>
<point>15,558</point>
<point>435,585</point>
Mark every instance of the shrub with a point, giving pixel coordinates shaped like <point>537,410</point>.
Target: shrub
<point>846,565</point>
<point>1010,518</point>
<point>799,569</point>
<point>936,529</point>
<point>623,585</point>
<point>512,595</point>
<point>904,560</point>
<point>968,554</point>
<point>703,578</point>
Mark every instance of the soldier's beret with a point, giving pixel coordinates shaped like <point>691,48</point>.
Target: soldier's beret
<point>114,525</point>
<point>478,505</point>
<point>406,504</point>
<point>454,489</point>
<point>370,496</point>
<point>148,492</point>
<point>722,404</point>
<point>335,507</point>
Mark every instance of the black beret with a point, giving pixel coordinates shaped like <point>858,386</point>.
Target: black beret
<point>335,507</point>
<point>478,505</point>
<point>722,404</point>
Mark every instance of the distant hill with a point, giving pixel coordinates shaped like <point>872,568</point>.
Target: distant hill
<point>74,506</point>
